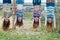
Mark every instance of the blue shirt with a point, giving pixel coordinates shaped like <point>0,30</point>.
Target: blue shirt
<point>19,1</point>
<point>50,12</point>
<point>6,1</point>
<point>50,4</point>
<point>19,13</point>
<point>36,2</point>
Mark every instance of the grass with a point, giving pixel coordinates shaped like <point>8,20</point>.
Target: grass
<point>9,35</point>
<point>28,35</point>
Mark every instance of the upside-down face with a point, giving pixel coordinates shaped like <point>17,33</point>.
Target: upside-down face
<point>36,22</point>
<point>49,20</point>
<point>6,24</point>
<point>19,21</point>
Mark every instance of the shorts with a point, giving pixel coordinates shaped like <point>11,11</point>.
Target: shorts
<point>35,2</point>
<point>6,1</point>
<point>19,1</point>
<point>50,4</point>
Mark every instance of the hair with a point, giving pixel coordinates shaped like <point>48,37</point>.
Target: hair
<point>49,25</point>
<point>6,24</point>
<point>35,24</point>
<point>19,23</point>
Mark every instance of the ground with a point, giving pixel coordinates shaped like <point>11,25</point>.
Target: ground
<point>26,32</point>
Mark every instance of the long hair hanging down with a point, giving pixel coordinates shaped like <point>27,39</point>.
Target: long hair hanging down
<point>35,24</point>
<point>49,25</point>
<point>6,24</point>
<point>19,23</point>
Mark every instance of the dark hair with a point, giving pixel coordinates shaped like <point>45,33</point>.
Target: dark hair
<point>6,24</point>
<point>35,24</point>
<point>49,25</point>
<point>19,23</point>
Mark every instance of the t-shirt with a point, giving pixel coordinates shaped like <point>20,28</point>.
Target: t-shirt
<point>36,13</point>
<point>7,7</point>
<point>19,13</point>
<point>50,12</point>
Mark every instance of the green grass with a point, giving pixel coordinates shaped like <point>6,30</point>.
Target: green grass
<point>9,35</point>
<point>31,35</point>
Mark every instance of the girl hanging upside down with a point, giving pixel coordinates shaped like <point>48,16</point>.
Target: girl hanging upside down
<point>6,13</point>
<point>19,13</point>
<point>50,20</point>
<point>36,13</point>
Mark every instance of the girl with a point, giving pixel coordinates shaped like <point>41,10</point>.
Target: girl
<point>50,16</point>
<point>36,13</point>
<point>6,13</point>
<point>19,13</point>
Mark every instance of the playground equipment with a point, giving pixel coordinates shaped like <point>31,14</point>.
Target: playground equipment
<point>36,13</point>
<point>50,19</point>
<point>7,12</point>
<point>19,13</point>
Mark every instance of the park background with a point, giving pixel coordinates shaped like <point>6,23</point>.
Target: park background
<point>27,33</point>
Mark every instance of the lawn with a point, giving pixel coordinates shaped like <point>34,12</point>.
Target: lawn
<point>27,32</point>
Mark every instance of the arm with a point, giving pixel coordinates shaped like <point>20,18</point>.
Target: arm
<point>54,22</point>
<point>45,19</point>
<point>2,12</point>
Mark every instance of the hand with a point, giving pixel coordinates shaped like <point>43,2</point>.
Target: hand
<point>2,17</point>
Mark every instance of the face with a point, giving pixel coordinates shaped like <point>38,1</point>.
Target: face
<point>6,19</point>
<point>19,19</point>
<point>50,20</point>
<point>36,19</point>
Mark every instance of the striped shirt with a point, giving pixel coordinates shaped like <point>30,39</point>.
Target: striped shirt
<point>36,13</point>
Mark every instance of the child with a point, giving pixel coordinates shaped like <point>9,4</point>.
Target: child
<point>36,13</point>
<point>19,13</point>
<point>50,16</point>
<point>6,13</point>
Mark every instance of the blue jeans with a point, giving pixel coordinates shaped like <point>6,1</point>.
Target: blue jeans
<point>19,1</point>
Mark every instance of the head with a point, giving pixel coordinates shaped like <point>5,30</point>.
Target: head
<point>49,22</point>
<point>19,21</point>
<point>36,22</point>
<point>6,24</point>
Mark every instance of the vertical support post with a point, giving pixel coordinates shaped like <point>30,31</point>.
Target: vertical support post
<point>13,8</point>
